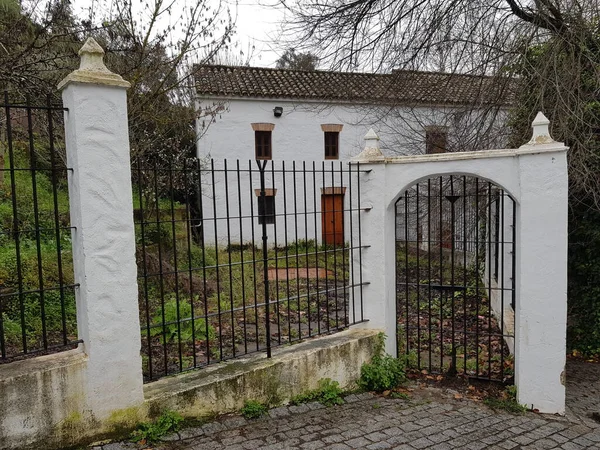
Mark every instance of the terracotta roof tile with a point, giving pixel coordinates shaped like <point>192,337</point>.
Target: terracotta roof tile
<point>399,87</point>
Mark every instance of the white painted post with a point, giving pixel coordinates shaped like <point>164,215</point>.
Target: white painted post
<point>378,259</point>
<point>97,142</point>
<point>541,308</point>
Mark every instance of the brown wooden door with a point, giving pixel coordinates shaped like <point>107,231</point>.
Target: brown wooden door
<point>332,219</point>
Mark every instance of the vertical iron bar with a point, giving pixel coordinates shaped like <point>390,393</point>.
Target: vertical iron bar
<point>36,218</point>
<point>406,272</point>
<point>54,181</point>
<point>418,277</point>
<point>175,265</point>
<point>335,265</point>
<point>203,250</point>
<point>160,270</point>
<point>452,370</point>
<point>188,233</point>
<point>145,270</point>
<point>229,268</point>
<point>314,174</point>
<point>351,242</point>
<point>501,282</point>
<point>261,167</point>
<point>307,249</point>
<point>287,251</point>
<point>360,274</point>
<point>254,277</point>
<point>441,293</point>
<point>242,262</point>
<point>326,236</point>
<point>297,250</point>
<point>344,278</point>
<point>217,264</point>
<point>15,224</point>
<point>429,265</point>
<point>465,274</point>
<point>277,312</point>
<point>489,258</point>
<point>477,299</point>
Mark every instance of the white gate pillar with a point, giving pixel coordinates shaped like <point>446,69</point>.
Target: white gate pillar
<point>378,259</point>
<point>541,266</point>
<point>100,195</point>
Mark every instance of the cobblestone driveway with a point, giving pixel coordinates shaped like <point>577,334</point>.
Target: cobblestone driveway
<point>431,419</point>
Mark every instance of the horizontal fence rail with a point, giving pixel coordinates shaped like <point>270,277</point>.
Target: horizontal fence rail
<point>239,257</point>
<point>37,298</point>
<point>455,261</point>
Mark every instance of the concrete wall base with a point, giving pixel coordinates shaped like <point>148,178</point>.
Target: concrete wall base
<point>43,404</point>
<point>291,371</point>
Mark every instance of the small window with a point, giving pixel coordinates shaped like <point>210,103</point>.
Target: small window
<point>436,139</point>
<point>332,145</point>
<point>262,144</point>
<point>266,209</point>
<point>266,206</point>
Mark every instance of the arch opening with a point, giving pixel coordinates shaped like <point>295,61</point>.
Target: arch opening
<point>455,276</point>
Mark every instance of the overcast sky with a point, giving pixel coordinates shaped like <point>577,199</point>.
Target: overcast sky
<point>258,23</point>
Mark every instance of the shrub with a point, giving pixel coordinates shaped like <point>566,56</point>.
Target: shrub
<point>384,372</point>
<point>253,409</point>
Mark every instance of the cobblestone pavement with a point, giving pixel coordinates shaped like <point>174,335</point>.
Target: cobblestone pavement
<point>431,419</point>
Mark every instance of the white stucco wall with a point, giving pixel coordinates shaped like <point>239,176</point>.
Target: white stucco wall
<point>224,132</point>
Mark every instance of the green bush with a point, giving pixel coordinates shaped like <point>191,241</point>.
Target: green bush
<point>384,372</point>
<point>253,409</point>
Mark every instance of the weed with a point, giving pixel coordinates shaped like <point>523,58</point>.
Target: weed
<point>148,432</point>
<point>328,393</point>
<point>507,401</point>
<point>384,372</point>
<point>253,409</point>
<point>399,395</point>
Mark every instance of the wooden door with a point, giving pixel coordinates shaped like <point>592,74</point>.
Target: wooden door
<point>332,219</point>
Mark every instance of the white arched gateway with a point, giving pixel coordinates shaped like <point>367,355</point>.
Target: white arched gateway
<point>530,188</point>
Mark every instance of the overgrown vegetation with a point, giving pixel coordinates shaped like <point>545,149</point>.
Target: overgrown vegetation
<point>327,393</point>
<point>384,372</point>
<point>253,409</point>
<point>506,401</point>
<point>46,317</point>
<point>151,432</point>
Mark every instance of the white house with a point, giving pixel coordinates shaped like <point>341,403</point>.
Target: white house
<point>319,119</point>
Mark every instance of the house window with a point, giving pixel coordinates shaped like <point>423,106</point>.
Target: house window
<point>262,144</point>
<point>436,139</point>
<point>332,140</point>
<point>266,206</point>
<point>332,149</point>
<point>262,140</point>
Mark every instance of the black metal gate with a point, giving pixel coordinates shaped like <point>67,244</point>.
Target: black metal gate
<point>455,277</point>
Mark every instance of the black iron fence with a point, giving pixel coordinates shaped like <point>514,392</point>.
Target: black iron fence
<point>37,301</point>
<point>455,261</point>
<point>239,257</point>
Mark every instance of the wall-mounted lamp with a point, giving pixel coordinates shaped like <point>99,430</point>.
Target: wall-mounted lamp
<point>277,111</point>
